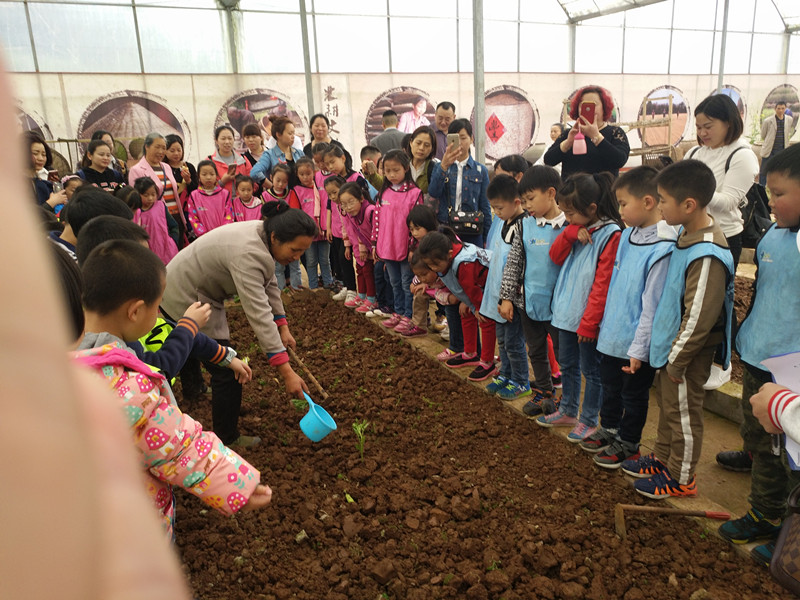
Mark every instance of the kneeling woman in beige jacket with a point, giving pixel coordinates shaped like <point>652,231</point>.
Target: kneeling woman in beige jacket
<point>239,259</point>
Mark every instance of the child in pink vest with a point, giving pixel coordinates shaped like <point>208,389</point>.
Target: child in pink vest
<point>313,201</point>
<point>390,234</point>
<point>358,222</point>
<point>155,219</point>
<point>209,206</point>
<point>246,206</point>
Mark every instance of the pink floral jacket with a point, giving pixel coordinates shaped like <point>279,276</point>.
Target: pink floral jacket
<point>173,448</point>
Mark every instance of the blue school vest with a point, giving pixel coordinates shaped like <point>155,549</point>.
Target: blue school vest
<point>624,300</point>
<point>576,278</point>
<point>541,272</point>
<point>500,250</point>
<point>764,333</point>
<point>469,253</point>
<point>667,320</point>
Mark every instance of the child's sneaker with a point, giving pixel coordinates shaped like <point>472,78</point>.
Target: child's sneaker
<point>749,528</point>
<point>391,322</point>
<point>365,308</point>
<point>445,333</point>
<point>599,440</point>
<point>446,354</point>
<point>662,485</point>
<point>512,391</point>
<point>352,300</point>
<point>556,419</point>
<point>496,384</point>
<point>557,381</point>
<point>440,324</point>
<point>617,453</point>
<point>763,553</point>
<point>404,324</point>
<point>534,407</point>
<point>414,331</point>
<point>580,432</point>
<point>462,360</point>
<point>482,371</point>
<point>644,466</point>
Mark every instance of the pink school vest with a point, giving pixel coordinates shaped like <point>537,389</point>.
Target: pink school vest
<point>209,210</point>
<point>336,212</point>
<point>359,229</point>
<point>391,235</point>
<point>247,212</point>
<point>154,222</point>
<point>311,204</point>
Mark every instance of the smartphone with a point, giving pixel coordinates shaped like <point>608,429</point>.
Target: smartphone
<point>452,138</point>
<point>52,175</point>
<point>587,110</point>
<point>231,169</point>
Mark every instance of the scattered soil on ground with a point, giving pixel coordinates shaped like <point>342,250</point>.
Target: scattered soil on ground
<point>456,496</point>
<point>741,303</point>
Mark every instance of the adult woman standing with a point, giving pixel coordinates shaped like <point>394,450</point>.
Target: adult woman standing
<point>153,166</point>
<point>607,147</point>
<point>719,130</point>
<point>41,159</point>
<point>184,172</point>
<point>254,142</point>
<point>282,153</point>
<point>240,259</point>
<point>321,132</point>
<point>117,165</point>
<point>229,163</point>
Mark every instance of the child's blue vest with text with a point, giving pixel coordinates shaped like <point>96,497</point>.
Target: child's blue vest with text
<point>624,301</point>
<point>494,279</point>
<point>576,279</point>
<point>667,320</point>
<point>541,273</point>
<point>772,327</point>
<point>469,253</point>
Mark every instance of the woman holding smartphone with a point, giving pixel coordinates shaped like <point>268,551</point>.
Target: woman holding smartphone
<point>229,163</point>
<point>606,146</point>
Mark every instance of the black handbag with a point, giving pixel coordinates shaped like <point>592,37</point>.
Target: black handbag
<point>465,222</point>
<point>785,563</point>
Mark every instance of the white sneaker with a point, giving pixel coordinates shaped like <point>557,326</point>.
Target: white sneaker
<point>377,312</point>
<point>445,333</point>
<point>340,295</point>
<point>718,377</point>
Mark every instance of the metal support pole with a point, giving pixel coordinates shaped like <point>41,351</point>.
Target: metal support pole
<point>572,35</point>
<point>312,105</point>
<point>233,36</point>
<point>478,83</point>
<point>721,70</point>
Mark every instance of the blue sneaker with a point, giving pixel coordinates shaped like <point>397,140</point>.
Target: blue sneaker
<point>539,403</point>
<point>644,466</point>
<point>513,390</point>
<point>497,384</point>
<point>750,528</point>
<point>763,553</point>
<point>662,485</point>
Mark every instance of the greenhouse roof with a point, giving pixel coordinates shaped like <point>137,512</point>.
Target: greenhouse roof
<point>580,10</point>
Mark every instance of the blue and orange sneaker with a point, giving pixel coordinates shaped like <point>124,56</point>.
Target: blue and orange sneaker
<point>662,485</point>
<point>644,466</point>
<point>539,403</point>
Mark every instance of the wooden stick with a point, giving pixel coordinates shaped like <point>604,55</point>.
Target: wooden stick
<point>313,379</point>
<point>619,514</point>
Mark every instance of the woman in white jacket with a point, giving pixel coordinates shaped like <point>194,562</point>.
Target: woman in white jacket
<point>719,130</point>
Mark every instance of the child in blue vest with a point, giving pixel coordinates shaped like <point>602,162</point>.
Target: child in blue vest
<point>586,250</point>
<point>463,268</point>
<point>761,336</point>
<point>512,380</point>
<point>529,277</point>
<point>692,320</point>
<point>636,286</point>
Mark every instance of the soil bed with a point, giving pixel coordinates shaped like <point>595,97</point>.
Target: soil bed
<point>457,496</point>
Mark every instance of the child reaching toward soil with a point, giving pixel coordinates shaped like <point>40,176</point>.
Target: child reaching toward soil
<point>463,268</point>
<point>123,286</point>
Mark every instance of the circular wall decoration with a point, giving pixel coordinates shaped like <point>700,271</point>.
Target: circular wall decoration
<point>734,94</point>
<point>785,93</point>
<point>511,121</point>
<point>655,106</point>
<point>29,120</point>
<point>129,115</point>
<point>257,106</point>
<point>413,106</point>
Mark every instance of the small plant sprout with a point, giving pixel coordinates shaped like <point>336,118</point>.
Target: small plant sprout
<point>360,429</point>
<point>299,404</point>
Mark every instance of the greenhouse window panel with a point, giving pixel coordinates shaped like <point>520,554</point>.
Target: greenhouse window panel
<point>581,10</point>
<point>790,13</point>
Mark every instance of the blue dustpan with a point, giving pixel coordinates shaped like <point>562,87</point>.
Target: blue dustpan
<point>317,423</point>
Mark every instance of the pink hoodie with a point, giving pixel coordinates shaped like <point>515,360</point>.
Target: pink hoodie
<point>154,222</point>
<point>336,212</point>
<point>208,210</point>
<point>359,229</point>
<point>247,212</point>
<point>390,233</point>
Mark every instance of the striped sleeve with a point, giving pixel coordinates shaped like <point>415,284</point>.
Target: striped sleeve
<point>778,404</point>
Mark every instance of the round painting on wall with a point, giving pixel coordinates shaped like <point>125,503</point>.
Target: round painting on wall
<point>129,115</point>
<point>783,93</point>
<point>257,106</point>
<point>734,94</point>
<point>413,106</point>
<point>511,121</point>
<point>656,107</point>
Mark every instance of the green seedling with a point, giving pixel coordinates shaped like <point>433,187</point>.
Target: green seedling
<point>360,429</point>
<point>299,404</point>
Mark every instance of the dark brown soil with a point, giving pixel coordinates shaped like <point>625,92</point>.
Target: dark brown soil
<point>741,303</point>
<point>456,497</point>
